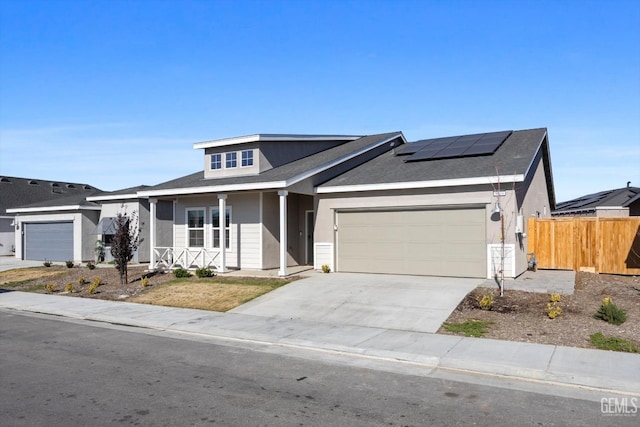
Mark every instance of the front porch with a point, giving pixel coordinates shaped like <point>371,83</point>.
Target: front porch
<point>236,231</point>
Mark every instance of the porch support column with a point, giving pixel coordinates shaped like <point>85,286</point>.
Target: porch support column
<point>222,220</point>
<point>152,233</point>
<point>283,233</point>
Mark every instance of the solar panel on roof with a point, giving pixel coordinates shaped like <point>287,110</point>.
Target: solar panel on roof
<point>462,146</point>
<point>423,155</point>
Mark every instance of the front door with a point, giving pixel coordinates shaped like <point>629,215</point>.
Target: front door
<point>309,223</point>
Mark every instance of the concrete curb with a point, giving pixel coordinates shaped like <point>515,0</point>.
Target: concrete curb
<point>609,372</point>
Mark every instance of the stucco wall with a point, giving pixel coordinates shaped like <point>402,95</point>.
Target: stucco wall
<point>7,236</point>
<point>534,196</point>
<point>83,224</point>
<point>141,208</point>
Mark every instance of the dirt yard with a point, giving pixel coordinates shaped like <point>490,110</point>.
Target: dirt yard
<point>521,316</point>
<point>214,293</point>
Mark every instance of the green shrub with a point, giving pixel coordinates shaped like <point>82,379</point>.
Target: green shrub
<point>91,265</point>
<point>326,269</point>
<point>181,273</point>
<point>69,287</point>
<point>69,264</point>
<point>97,281</point>
<point>145,282</point>
<point>612,343</point>
<point>50,287</point>
<point>82,281</point>
<point>204,272</point>
<point>609,312</point>
<point>470,328</point>
<point>47,263</point>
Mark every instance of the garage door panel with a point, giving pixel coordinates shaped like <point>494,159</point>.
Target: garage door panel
<point>48,241</point>
<point>447,242</point>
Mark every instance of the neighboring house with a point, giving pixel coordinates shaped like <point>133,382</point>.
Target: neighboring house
<point>621,202</point>
<point>355,203</point>
<point>49,231</point>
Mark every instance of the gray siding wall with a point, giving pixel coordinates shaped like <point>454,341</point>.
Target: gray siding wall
<point>270,230</point>
<point>164,223</point>
<point>245,226</point>
<point>145,222</point>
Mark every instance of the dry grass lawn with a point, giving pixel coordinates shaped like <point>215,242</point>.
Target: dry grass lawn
<point>27,274</point>
<point>207,295</point>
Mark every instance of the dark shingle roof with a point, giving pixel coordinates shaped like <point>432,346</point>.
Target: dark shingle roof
<point>513,157</point>
<point>26,192</point>
<point>123,192</point>
<point>618,197</point>
<point>279,173</point>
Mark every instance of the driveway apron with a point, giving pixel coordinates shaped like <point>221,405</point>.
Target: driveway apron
<point>407,303</point>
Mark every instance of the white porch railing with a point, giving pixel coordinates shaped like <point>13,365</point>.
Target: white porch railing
<point>170,258</point>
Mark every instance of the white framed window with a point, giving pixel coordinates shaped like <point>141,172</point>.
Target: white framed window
<point>231,160</point>
<point>215,227</point>
<point>216,161</point>
<point>195,227</point>
<point>247,158</point>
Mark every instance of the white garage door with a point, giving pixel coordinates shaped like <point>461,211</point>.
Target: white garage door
<point>48,241</point>
<point>438,242</point>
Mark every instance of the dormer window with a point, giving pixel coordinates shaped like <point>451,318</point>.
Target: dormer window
<point>231,160</point>
<point>247,158</point>
<point>216,161</point>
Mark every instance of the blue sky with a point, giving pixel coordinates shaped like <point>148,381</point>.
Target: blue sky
<point>115,93</point>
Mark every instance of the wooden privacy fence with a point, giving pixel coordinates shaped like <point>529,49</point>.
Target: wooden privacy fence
<point>603,245</point>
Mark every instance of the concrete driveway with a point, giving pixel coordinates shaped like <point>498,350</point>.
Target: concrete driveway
<point>407,303</point>
<point>11,262</point>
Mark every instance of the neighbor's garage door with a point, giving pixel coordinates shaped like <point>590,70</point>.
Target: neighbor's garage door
<point>438,242</point>
<point>48,241</point>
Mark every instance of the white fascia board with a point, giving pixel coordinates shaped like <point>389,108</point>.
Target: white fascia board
<point>213,189</point>
<point>7,217</point>
<point>420,184</point>
<point>607,208</point>
<point>112,197</point>
<point>265,137</point>
<point>55,209</point>
<point>340,160</point>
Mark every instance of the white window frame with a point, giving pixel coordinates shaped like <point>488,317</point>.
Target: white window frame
<point>228,159</point>
<point>189,229</point>
<point>227,229</point>
<point>217,161</point>
<point>248,159</point>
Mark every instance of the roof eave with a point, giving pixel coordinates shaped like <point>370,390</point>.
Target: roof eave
<point>491,180</point>
<point>270,137</point>
<point>54,209</point>
<point>112,197</point>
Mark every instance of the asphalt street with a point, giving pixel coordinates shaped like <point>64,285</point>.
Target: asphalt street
<point>59,372</point>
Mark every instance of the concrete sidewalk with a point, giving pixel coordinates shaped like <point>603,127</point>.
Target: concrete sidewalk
<point>588,369</point>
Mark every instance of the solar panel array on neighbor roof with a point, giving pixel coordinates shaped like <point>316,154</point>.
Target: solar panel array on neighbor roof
<point>454,146</point>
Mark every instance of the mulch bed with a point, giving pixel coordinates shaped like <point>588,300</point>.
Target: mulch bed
<point>521,316</point>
